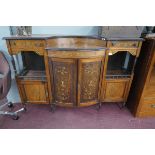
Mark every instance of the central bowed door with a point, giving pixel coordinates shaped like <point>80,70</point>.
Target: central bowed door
<point>64,80</point>
<point>76,82</point>
<point>89,80</point>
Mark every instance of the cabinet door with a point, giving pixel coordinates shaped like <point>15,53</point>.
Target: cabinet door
<point>63,74</point>
<point>115,90</point>
<point>89,77</point>
<point>33,91</point>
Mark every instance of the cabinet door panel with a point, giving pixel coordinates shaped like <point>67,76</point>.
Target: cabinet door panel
<point>115,90</point>
<point>33,91</point>
<point>64,72</point>
<point>89,76</point>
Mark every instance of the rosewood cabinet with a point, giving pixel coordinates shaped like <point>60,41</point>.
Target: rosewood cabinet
<point>75,82</point>
<point>73,71</point>
<point>119,70</point>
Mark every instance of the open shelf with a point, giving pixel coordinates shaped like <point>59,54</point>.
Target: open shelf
<point>120,65</point>
<point>32,75</point>
<point>33,67</point>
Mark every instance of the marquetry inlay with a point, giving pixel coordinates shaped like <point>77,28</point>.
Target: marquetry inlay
<point>90,80</point>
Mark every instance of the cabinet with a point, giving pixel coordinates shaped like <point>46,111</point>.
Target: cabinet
<point>119,70</point>
<point>141,101</point>
<point>31,78</point>
<point>75,82</point>
<point>73,71</point>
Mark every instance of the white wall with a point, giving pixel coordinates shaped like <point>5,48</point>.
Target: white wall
<point>4,31</point>
<point>65,30</point>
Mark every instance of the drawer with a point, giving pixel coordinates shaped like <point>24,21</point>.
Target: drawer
<point>148,107</point>
<point>149,92</point>
<point>123,44</point>
<point>76,54</point>
<point>17,44</point>
<point>27,45</point>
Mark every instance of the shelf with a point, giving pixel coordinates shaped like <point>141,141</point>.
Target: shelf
<point>32,75</point>
<point>116,74</point>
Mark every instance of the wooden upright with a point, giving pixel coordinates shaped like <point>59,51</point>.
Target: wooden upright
<point>141,101</point>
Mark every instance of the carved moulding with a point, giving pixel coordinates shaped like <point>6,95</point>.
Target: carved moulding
<point>131,51</point>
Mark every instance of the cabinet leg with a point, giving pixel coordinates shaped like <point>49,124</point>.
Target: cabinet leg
<point>122,105</point>
<point>25,109</point>
<point>53,108</point>
<point>98,106</point>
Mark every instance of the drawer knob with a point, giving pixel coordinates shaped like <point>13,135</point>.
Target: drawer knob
<point>152,105</point>
<point>134,45</point>
<point>39,44</point>
<point>114,43</point>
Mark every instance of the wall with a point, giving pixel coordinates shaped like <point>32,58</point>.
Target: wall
<point>65,30</point>
<point>4,31</point>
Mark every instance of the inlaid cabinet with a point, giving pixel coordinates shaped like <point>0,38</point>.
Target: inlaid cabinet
<point>73,71</point>
<point>76,82</point>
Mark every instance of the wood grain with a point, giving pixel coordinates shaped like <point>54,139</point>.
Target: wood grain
<point>76,77</point>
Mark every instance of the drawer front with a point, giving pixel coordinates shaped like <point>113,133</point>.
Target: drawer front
<point>20,44</point>
<point>123,44</point>
<point>76,54</point>
<point>27,45</point>
<point>148,107</point>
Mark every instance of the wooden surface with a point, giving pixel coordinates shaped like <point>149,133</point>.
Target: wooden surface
<point>33,91</point>
<point>89,71</point>
<point>63,73</point>
<point>75,70</point>
<point>17,46</point>
<point>142,94</point>
<point>115,90</point>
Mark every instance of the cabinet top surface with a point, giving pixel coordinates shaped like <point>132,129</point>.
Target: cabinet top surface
<point>48,36</point>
